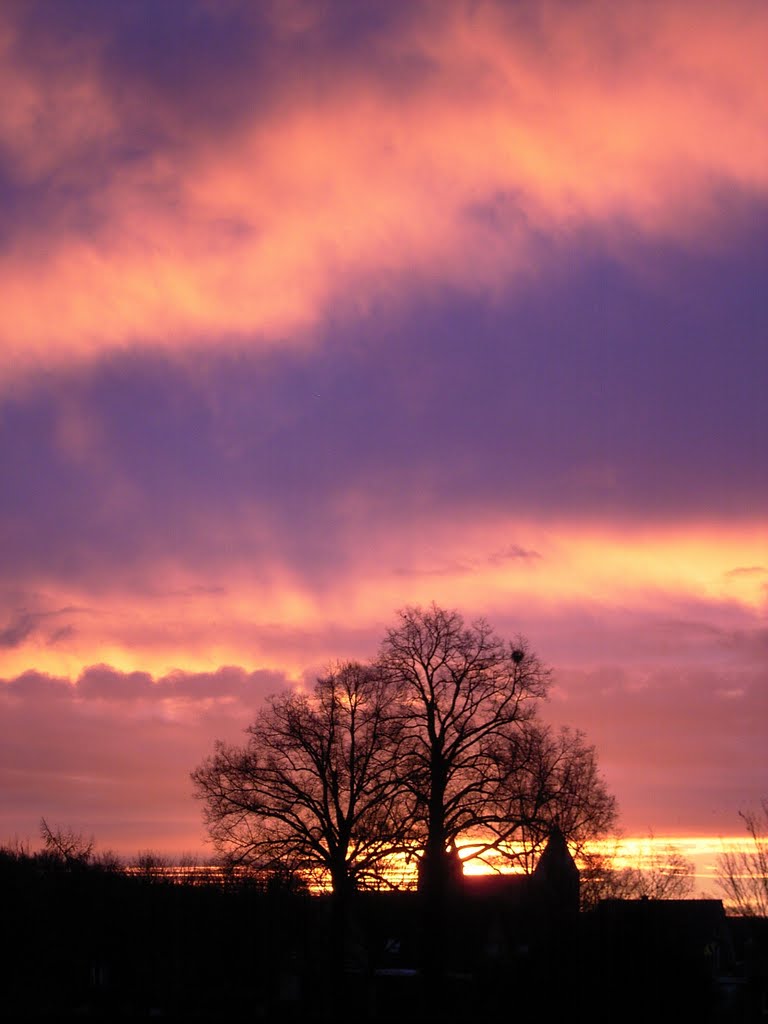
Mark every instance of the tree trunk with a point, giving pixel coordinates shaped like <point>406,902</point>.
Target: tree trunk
<point>340,913</point>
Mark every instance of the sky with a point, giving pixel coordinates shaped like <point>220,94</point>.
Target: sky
<point>315,310</point>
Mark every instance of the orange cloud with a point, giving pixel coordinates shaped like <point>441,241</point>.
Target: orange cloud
<point>164,616</point>
<point>657,640</point>
<point>521,122</point>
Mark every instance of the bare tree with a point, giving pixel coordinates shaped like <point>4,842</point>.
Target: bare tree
<point>437,743</point>
<point>659,873</point>
<point>65,845</point>
<point>600,879</point>
<point>547,779</point>
<point>664,873</point>
<point>465,693</point>
<point>743,874</point>
<point>316,791</point>
<point>150,866</point>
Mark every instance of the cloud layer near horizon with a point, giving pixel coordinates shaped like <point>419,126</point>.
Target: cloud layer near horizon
<point>312,311</point>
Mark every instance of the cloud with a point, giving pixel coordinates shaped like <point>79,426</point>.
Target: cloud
<point>227,683</point>
<point>512,552</point>
<point>460,145</point>
<point>36,687</point>
<point>26,625</point>
<point>678,728</point>
<point>303,468</point>
<point>314,311</point>
<point>678,744</point>
<point>633,591</point>
<point>103,682</point>
<point>110,752</point>
<point>17,631</point>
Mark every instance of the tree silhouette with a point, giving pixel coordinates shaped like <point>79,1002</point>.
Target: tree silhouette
<point>547,779</point>
<point>70,848</point>
<point>742,876</point>
<point>436,743</point>
<point>316,791</point>
<point>467,698</point>
<point>658,873</point>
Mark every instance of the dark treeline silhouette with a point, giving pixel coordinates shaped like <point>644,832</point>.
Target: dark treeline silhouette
<point>88,938</point>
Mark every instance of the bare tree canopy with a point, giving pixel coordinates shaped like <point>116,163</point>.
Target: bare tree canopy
<point>437,742</point>
<point>658,873</point>
<point>547,779</point>
<point>66,845</point>
<point>742,876</point>
<point>316,791</point>
<point>463,689</point>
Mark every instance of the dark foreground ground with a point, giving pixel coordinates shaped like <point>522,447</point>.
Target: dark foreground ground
<point>99,945</point>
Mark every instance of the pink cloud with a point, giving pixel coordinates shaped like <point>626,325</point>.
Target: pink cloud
<point>681,746</point>
<point>186,204</point>
<point>678,728</point>
<point>520,124</point>
<point>111,753</point>
<point>661,591</point>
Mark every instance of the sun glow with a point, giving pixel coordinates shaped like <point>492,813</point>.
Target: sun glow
<point>635,851</point>
<point>702,851</point>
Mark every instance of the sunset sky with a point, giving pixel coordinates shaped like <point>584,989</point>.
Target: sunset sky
<point>313,309</point>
